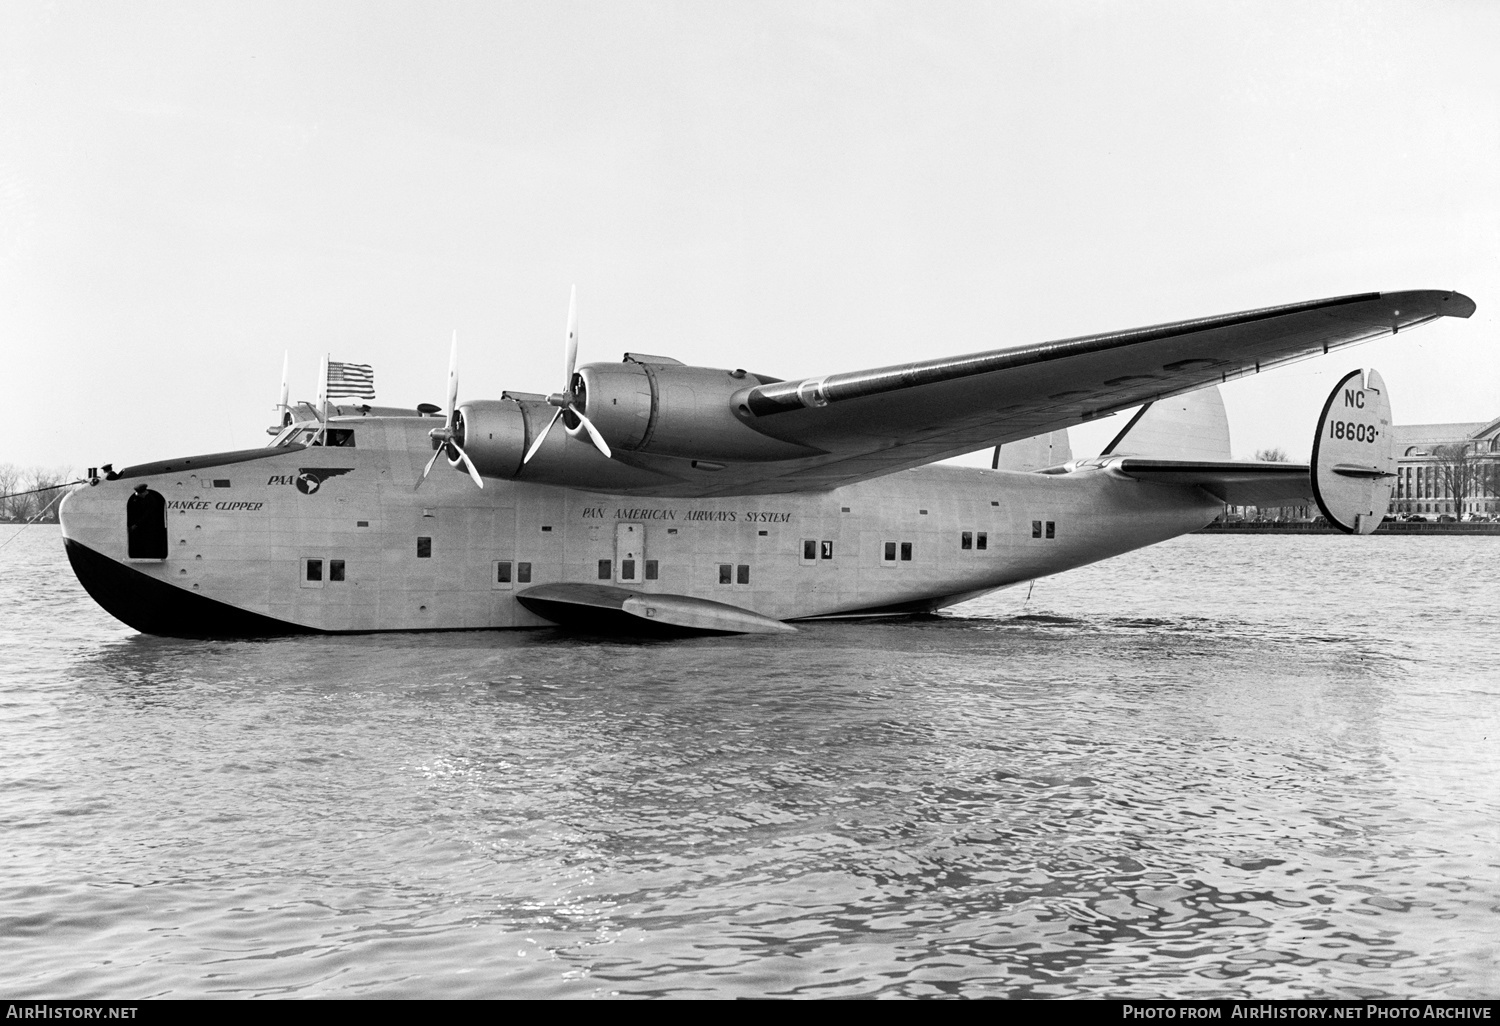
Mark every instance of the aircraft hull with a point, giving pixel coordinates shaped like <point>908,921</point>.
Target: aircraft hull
<point>252,542</point>
<point>152,606</point>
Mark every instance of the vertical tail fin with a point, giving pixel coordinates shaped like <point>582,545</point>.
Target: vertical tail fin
<point>1049,450</point>
<point>1354,454</point>
<point>1184,427</point>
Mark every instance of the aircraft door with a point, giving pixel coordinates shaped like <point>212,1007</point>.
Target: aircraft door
<point>146,524</point>
<point>630,552</point>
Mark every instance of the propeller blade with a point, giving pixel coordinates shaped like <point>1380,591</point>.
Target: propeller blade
<point>286,392</point>
<point>452,379</point>
<point>435,454</point>
<point>541,438</point>
<point>468,464</point>
<point>572,342</point>
<point>594,435</point>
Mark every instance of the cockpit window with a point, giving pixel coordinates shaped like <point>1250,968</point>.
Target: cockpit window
<point>301,434</point>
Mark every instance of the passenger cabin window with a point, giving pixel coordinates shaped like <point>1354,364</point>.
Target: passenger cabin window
<point>742,574</point>
<point>966,540</point>
<point>335,569</point>
<point>982,540</point>
<point>726,573</point>
<point>508,572</point>
<point>606,569</point>
<point>651,569</point>
<point>1036,528</point>
<point>314,569</point>
<point>1051,529</point>
<point>906,551</point>
<point>424,548</point>
<point>825,550</point>
<point>809,549</point>
<point>890,551</point>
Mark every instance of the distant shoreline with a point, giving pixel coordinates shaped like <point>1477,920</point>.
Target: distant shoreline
<point>1392,527</point>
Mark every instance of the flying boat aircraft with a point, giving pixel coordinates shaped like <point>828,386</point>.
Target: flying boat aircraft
<point>650,496</point>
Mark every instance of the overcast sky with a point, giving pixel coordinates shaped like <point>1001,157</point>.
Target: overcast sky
<point>189,189</point>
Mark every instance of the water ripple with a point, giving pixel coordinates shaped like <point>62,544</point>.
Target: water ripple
<point>1185,773</point>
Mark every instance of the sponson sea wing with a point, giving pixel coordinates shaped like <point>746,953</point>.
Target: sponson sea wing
<point>874,422</point>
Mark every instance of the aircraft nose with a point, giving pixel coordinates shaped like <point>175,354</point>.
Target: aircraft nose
<point>73,508</point>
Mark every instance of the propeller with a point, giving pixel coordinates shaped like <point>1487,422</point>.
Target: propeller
<point>567,402</point>
<point>452,429</point>
<point>283,410</point>
<point>286,394</point>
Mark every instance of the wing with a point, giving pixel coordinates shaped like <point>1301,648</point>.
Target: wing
<point>874,422</point>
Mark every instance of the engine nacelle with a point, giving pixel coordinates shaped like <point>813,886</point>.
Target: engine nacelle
<point>493,433</point>
<point>674,410</point>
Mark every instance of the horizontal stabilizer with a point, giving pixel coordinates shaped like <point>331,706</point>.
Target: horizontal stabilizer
<point>1352,470</point>
<point>1237,482</point>
<point>606,609</point>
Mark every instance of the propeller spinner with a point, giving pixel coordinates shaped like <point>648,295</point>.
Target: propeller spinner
<point>452,429</point>
<point>568,402</point>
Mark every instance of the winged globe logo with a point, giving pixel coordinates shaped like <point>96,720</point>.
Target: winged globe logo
<point>310,479</point>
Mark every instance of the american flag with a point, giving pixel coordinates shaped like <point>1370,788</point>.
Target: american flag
<point>351,379</point>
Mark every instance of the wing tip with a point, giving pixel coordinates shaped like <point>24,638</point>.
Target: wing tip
<point>1462,305</point>
<point>1444,303</point>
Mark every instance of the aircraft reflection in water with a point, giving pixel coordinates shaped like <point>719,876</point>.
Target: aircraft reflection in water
<point>679,498</point>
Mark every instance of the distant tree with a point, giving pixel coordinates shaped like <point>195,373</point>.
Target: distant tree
<point>10,477</point>
<point>1277,455</point>
<point>1457,472</point>
<point>31,492</point>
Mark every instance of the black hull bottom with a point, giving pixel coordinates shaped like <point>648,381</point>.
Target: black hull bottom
<point>154,607</point>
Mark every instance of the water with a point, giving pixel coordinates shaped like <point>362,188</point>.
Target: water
<point>1222,767</point>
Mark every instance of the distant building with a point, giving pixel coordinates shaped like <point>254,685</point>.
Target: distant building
<point>1424,478</point>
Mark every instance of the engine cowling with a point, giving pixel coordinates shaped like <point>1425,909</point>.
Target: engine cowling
<point>675,410</point>
<point>493,433</point>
